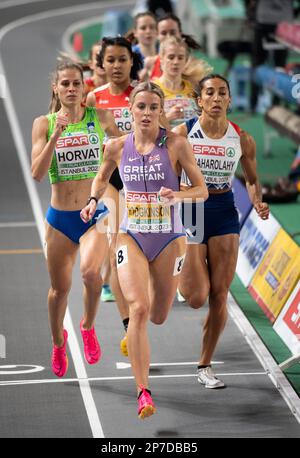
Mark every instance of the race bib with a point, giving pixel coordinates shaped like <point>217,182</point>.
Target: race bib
<point>146,212</point>
<point>78,154</point>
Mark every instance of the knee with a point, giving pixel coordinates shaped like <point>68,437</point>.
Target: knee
<point>138,312</point>
<point>218,300</point>
<point>197,299</point>
<point>90,276</point>
<point>218,307</point>
<point>158,318</point>
<point>59,294</point>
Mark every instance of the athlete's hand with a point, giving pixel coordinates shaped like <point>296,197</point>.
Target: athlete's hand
<point>168,196</point>
<point>176,112</point>
<point>62,120</point>
<point>262,209</point>
<point>88,211</point>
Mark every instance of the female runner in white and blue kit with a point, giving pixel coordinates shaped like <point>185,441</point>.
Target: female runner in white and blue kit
<point>218,146</point>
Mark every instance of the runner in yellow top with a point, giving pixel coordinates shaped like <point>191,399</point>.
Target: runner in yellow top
<point>180,104</point>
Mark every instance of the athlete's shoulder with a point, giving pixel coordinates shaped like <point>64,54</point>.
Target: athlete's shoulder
<point>175,141</point>
<point>42,121</point>
<point>235,127</point>
<point>247,142</point>
<point>115,145</point>
<point>101,89</point>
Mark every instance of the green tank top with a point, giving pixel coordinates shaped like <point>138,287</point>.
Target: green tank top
<point>78,152</point>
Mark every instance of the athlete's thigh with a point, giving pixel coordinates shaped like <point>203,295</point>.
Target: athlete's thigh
<point>222,258</point>
<point>195,275</point>
<point>61,255</point>
<point>165,272</point>
<point>93,248</point>
<point>132,269</point>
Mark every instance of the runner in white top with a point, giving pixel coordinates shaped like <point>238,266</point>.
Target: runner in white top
<point>210,263</point>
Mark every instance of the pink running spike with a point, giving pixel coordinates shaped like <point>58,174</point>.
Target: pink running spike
<point>146,406</point>
<point>59,358</point>
<point>92,350</point>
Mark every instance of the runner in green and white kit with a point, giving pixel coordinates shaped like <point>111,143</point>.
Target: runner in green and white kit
<point>68,145</point>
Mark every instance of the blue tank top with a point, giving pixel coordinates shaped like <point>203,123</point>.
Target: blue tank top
<point>143,175</point>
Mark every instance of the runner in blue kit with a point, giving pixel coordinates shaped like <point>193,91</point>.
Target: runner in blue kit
<point>67,143</point>
<point>151,243</point>
<point>210,263</point>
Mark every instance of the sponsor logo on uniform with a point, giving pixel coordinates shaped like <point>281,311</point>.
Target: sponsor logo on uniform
<point>209,150</point>
<point>230,152</point>
<point>126,113</point>
<point>69,142</point>
<point>93,138</point>
<point>121,113</point>
<point>142,197</point>
<point>197,134</point>
<point>131,159</point>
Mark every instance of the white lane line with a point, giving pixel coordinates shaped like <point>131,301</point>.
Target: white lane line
<point>111,379</point>
<point>63,11</point>
<point>31,368</point>
<point>88,400</point>
<point>121,365</point>
<point>266,359</point>
<point>85,389</point>
<point>12,3</point>
<point>18,224</point>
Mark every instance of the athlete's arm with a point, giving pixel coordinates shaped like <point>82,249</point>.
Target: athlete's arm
<point>182,155</point>
<point>181,129</point>
<point>248,162</point>
<point>145,73</point>
<point>91,99</point>
<point>163,121</point>
<point>42,150</point>
<point>111,159</point>
<point>108,124</point>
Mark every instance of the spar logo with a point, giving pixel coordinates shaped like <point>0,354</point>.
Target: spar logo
<point>93,138</point>
<point>121,113</point>
<point>230,152</point>
<point>141,197</point>
<point>209,150</point>
<point>126,113</point>
<point>68,142</point>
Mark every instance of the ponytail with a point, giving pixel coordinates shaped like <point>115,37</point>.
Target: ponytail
<point>54,104</point>
<point>191,42</point>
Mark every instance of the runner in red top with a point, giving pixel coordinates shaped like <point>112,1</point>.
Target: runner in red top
<point>98,77</point>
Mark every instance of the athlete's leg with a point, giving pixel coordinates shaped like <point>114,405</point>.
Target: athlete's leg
<point>115,202</point>
<point>222,259</point>
<point>133,272</point>
<point>194,283</point>
<point>164,276</point>
<point>61,254</point>
<point>93,249</point>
